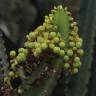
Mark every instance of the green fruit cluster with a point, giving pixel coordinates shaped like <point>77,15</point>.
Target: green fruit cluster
<point>46,37</point>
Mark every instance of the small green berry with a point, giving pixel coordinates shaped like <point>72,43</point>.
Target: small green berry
<point>44,46</point>
<point>46,34</point>
<point>62,44</point>
<point>78,44</point>
<point>55,39</point>
<point>6,79</point>
<point>80,52</point>
<point>21,57</point>
<point>60,7</point>
<point>29,45</point>
<point>51,45</point>
<point>40,39</point>
<point>38,50</point>
<point>12,53</point>
<point>77,59</point>
<point>69,52</point>
<point>22,50</point>
<point>71,44</point>
<point>13,66</point>
<point>71,19</point>
<point>66,58</point>
<point>19,91</point>
<point>52,34</point>
<point>62,52</point>
<point>36,54</point>
<point>36,44</point>
<point>80,40</point>
<point>77,64</point>
<point>74,48</point>
<point>32,34</point>
<point>56,50</point>
<point>75,70</point>
<point>66,65</point>
<point>11,74</point>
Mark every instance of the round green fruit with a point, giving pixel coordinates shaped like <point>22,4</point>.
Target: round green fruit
<point>78,44</point>
<point>77,59</point>
<point>38,50</point>
<point>55,39</point>
<point>66,65</point>
<point>52,34</point>
<point>32,34</point>
<point>12,53</point>
<point>40,39</point>
<point>62,52</point>
<point>80,52</point>
<point>66,58</point>
<point>51,46</point>
<point>21,57</point>
<point>71,44</point>
<point>11,74</point>
<point>62,44</point>
<point>75,70</point>
<point>69,52</point>
<point>56,50</point>
<point>44,46</point>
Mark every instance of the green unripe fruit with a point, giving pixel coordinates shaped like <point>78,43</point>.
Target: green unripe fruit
<point>29,45</point>
<point>36,44</point>
<point>69,52</point>
<point>62,44</point>
<point>71,44</point>
<point>32,34</point>
<point>71,19</point>
<point>22,50</point>
<point>52,34</point>
<point>66,65</point>
<point>71,38</point>
<point>78,64</point>
<point>75,70</point>
<point>80,40</point>
<point>13,53</point>
<point>78,44</point>
<point>44,46</point>
<point>26,44</point>
<point>11,74</point>
<point>6,79</point>
<point>66,58</point>
<point>77,59</point>
<point>46,34</point>
<point>51,45</point>
<point>60,7</point>
<point>55,39</point>
<point>40,39</point>
<point>21,57</point>
<point>13,66</point>
<point>46,17</point>
<point>62,52</point>
<point>56,50</point>
<point>36,54</point>
<point>19,91</point>
<point>38,50</point>
<point>80,52</point>
<point>74,48</point>
<point>73,33</point>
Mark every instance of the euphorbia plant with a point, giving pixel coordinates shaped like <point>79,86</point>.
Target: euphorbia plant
<point>53,47</point>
